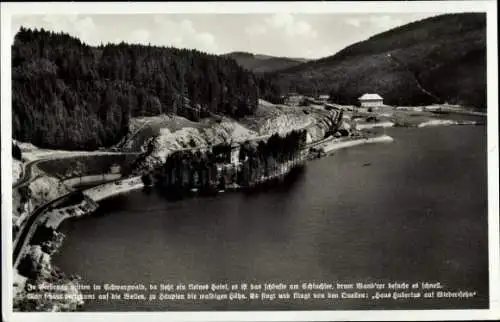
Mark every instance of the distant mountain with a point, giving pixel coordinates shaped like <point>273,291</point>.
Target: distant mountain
<point>264,63</point>
<point>438,59</point>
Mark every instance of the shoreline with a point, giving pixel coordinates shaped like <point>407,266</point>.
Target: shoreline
<point>123,186</point>
<point>328,146</point>
<point>333,145</point>
<point>110,189</point>
<point>448,108</point>
<point>52,219</point>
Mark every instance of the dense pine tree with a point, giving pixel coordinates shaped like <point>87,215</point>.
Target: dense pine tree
<point>66,94</point>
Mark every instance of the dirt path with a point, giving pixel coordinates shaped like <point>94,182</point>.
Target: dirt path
<point>415,77</point>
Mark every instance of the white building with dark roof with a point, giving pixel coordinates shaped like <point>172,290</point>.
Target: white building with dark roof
<point>371,100</point>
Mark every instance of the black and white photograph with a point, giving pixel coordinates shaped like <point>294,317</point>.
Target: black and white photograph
<point>227,158</point>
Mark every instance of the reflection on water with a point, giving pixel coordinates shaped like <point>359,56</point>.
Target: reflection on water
<point>418,212</point>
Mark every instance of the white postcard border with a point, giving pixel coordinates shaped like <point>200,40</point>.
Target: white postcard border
<point>10,9</point>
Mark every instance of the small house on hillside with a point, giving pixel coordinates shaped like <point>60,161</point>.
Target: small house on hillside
<point>371,100</point>
<point>324,98</point>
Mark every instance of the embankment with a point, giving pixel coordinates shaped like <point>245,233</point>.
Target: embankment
<point>367,126</point>
<point>33,298</point>
<point>91,196</point>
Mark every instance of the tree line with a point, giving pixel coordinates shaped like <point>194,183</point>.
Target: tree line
<point>212,170</point>
<point>67,94</point>
<point>271,158</point>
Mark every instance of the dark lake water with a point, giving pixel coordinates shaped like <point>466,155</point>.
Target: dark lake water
<point>409,211</point>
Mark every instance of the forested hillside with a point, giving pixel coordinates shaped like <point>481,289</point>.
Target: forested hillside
<point>66,94</point>
<point>439,59</point>
<point>264,63</point>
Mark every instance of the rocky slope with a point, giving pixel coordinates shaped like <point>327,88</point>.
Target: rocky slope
<point>268,119</point>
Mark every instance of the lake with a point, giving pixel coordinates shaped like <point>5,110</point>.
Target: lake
<point>414,210</point>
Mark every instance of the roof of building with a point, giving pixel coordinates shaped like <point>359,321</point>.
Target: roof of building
<point>370,97</point>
